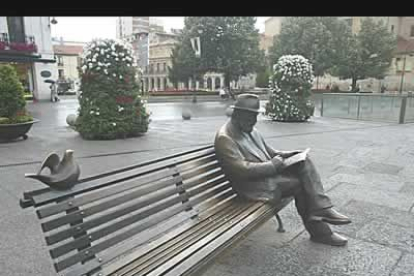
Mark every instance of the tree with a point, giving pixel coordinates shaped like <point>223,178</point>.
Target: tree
<point>12,102</point>
<point>262,78</point>
<point>311,37</point>
<point>366,54</point>
<point>184,63</point>
<point>110,105</point>
<point>229,45</point>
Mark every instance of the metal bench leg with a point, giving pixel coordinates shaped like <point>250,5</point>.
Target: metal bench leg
<point>280,229</point>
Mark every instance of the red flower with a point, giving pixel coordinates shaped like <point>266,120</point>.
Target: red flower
<point>124,99</point>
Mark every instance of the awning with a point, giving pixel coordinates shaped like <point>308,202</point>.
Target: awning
<point>24,58</point>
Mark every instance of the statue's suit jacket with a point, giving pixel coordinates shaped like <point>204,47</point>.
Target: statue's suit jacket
<point>247,162</point>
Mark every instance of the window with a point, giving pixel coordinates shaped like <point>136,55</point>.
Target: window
<point>164,67</point>
<point>412,31</point>
<point>158,67</point>
<point>61,74</point>
<point>60,60</point>
<point>392,28</point>
<point>16,28</point>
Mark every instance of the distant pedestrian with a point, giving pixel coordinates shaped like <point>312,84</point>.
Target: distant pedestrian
<point>53,92</point>
<point>222,93</point>
<point>383,88</point>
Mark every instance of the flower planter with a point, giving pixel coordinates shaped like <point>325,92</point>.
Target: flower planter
<point>13,131</point>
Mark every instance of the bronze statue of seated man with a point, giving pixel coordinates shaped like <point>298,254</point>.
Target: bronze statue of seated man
<point>259,172</point>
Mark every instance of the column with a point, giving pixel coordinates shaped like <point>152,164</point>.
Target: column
<point>162,84</point>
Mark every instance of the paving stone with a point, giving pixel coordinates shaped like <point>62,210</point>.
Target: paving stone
<point>374,180</point>
<point>407,188</point>
<point>383,168</point>
<point>405,266</point>
<point>345,192</point>
<point>9,204</point>
<point>23,250</point>
<point>392,235</point>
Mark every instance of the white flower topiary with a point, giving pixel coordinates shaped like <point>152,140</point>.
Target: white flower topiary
<point>292,81</point>
<point>103,55</point>
<point>293,70</point>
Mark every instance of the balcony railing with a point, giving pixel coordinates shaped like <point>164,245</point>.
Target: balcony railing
<point>6,44</point>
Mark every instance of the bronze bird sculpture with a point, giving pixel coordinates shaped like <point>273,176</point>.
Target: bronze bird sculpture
<point>63,174</point>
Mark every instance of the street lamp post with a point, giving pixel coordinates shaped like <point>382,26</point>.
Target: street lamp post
<point>196,45</point>
<point>402,74</point>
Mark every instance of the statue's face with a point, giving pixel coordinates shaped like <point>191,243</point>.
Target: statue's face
<point>247,120</point>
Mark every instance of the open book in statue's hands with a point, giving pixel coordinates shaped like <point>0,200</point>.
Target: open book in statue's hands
<point>301,156</point>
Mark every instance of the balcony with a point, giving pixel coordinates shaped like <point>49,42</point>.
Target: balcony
<point>28,46</point>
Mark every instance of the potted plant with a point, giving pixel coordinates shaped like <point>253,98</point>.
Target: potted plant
<point>15,121</point>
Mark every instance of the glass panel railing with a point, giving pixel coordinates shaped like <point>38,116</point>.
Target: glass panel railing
<point>340,106</point>
<point>370,107</point>
<point>380,108</point>
<point>409,111</point>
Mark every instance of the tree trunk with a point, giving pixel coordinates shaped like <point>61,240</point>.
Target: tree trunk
<point>227,81</point>
<point>354,82</point>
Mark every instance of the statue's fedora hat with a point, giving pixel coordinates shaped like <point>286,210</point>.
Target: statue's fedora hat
<point>248,102</point>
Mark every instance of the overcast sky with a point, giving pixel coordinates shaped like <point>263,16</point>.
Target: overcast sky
<point>88,28</point>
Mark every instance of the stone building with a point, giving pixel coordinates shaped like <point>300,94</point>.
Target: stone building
<point>155,77</point>
<point>26,44</point>
<point>68,56</point>
<point>403,60</point>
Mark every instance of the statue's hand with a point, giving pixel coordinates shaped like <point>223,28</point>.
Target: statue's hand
<point>287,154</point>
<point>278,162</point>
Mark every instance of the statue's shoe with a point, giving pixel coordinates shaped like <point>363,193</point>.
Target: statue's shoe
<point>329,215</point>
<point>334,239</point>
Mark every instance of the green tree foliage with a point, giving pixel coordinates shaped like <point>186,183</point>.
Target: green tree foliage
<point>12,102</point>
<point>229,45</point>
<point>366,54</point>
<point>311,37</point>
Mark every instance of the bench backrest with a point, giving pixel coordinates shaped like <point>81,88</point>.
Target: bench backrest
<point>122,212</point>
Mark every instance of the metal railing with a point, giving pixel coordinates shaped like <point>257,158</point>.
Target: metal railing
<point>395,108</point>
<point>8,42</point>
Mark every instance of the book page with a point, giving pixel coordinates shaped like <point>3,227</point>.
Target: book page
<point>296,158</point>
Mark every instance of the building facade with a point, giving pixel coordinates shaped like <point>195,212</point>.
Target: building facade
<point>155,77</point>
<point>26,44</point>
<point>68,57</point>
<point>401,71</point>
<point>135,29</point>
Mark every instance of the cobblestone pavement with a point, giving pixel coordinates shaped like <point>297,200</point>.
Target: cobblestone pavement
<point>366,168</point>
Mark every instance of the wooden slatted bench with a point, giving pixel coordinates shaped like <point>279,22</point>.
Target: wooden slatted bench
<point>170,216</point>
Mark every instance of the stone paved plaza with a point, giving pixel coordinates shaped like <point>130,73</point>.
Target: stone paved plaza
<point>367,169</point>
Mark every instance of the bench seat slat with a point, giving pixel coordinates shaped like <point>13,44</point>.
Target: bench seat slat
<point>190,263</point>
<point>84,240</point>
<point>103,193</point>
<point>85,212</point>
<point>201,170</point>
<point>174,247</point>
<point>222,201</point>
<point>82,256</point>
<point>125,210</point>
<point>194,164</point>
<point>123,223</point>
<point>252,211</point>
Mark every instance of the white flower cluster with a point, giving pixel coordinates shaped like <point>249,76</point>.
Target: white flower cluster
<point>104,55</point>
<point>293,68</point>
